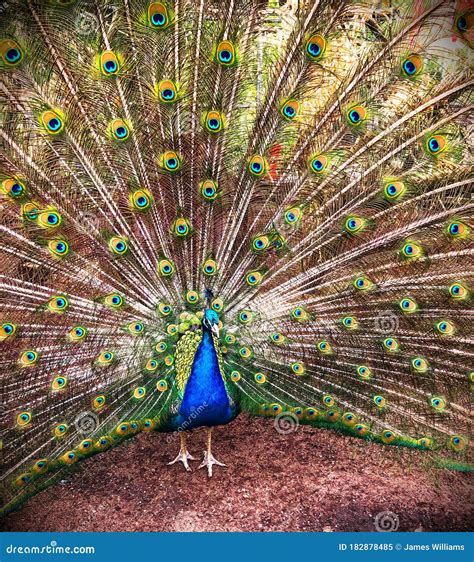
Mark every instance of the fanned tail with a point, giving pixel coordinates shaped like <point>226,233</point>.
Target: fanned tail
<point>312,186</point>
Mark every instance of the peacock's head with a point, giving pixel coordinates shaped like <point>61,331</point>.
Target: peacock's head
<point>210,321</point>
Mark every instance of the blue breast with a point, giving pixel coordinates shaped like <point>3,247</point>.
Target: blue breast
<point>205,401</point>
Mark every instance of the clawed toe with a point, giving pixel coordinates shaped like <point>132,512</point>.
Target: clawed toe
<point>183,456</point>
<point>208,462</point>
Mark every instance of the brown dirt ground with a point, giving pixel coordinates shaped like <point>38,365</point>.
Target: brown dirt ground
<point>311,480</point>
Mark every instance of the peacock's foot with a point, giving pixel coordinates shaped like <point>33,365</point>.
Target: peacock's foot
<point>209,461</point>
<point>183,456</point>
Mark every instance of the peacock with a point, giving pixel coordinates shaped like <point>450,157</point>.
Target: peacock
<point>216,207</point>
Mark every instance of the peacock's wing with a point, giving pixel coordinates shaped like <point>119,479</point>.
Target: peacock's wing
<point>310,164</point>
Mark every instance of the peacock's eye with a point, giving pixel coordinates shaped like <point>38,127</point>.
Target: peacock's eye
<point>253,278</point>
<point>164,309</point>
<point>235,376</point>
<point>118,245</point>
<point>52,122</point>
<point>59,383</point>
<point>49,219</point>
<point>277,338</point>
<point>293,215</point>
<point>170,161</point>
<point>436,144</point>
<point>209,267</point>
<point>165,267</point>
<point>260,378</point>
<point>58,248</point>
<point>225,53</point>
<point>162,385</point>
<point>140,200</point>
<point>457,229</point>
<point>457,443</point>
<point>13,187</point>
<point>60,430</point>
<point>391,345</point>
<point>139,392</point>
<point>412,65</point>
<point>364,372</point>
<point>315,47</point>
<point>23,419</point>
<point>388,436</point>
<point>105,358</point>
<point>411,250</point>
<point>109,63</point>
<point>297,368</point>
<point>159,17</point>
<point>182,227</point>
<point>77,333</point>
<point>136,328</point>
<point>445,327</point>
<point>151,365</point>
<point>354,224</point>
<point>362,283</point>
<point>167,91</point>
<point>114,301</point>
<point>208,189</point>
<point>318,163</point>
<point>7,330</point>
<point>324,347</point>
<point>299,313</point>
<point>419,364</point>
<point>394,190</point>
<point>213,121</point>
<point>379,401</point>
<point>257,166</point>
<point>328,400</point>
<point>408,306</point>
<point>356,115</point>
<point>465,21</point>
<point>58,304</point>
<point>217,305</point>
<point>10,52</point>
<point>260,243</point>
<point>290,109</point>
<point>458,291</point>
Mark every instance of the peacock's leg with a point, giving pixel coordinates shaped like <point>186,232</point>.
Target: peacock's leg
<point>209,460</point>
<point>183,454</point>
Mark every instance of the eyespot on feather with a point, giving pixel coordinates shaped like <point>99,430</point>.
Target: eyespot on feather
<point>226,53</point>
<point>11,52</point>
<point>159,16</point>
<point>315,47</point>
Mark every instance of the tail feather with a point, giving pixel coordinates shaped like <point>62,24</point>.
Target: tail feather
<point>307,180</point>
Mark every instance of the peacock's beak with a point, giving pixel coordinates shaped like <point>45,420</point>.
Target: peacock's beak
<point>215,329</point>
